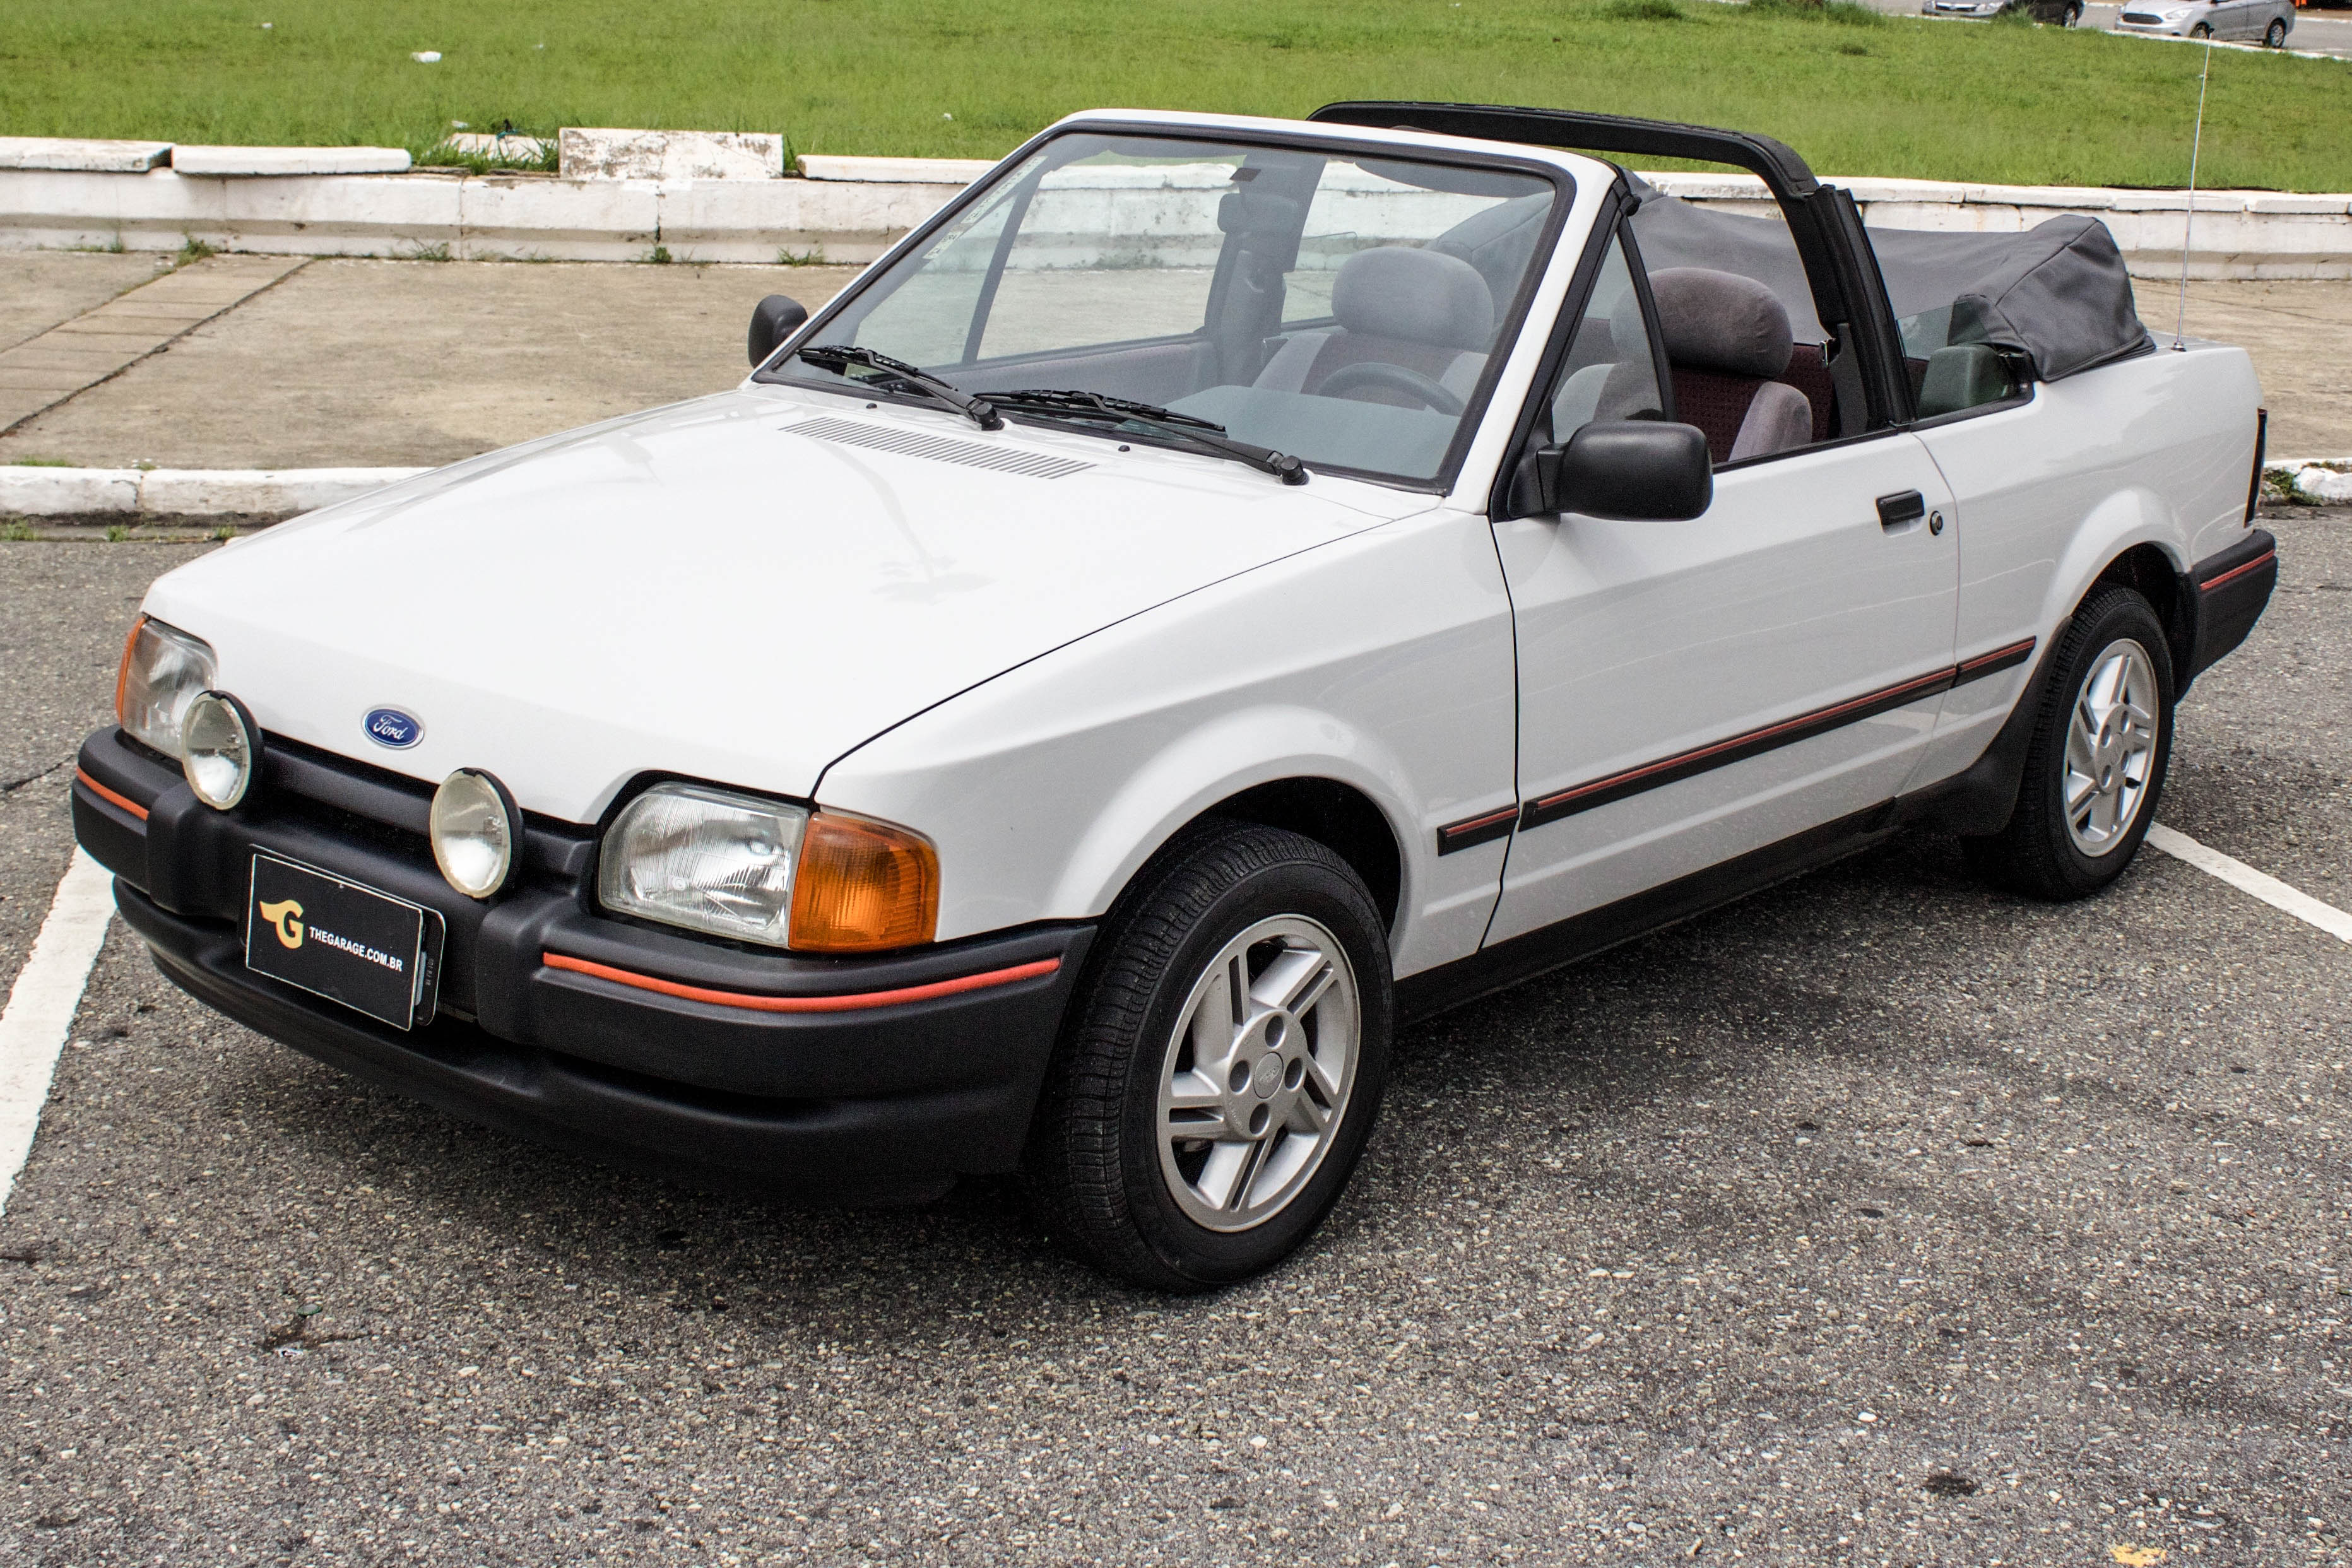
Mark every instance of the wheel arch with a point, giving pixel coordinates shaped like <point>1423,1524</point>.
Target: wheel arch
<point>2149,570</point>
<point>1311,774</point>
<point>2134,539</point>
<point>1337,815</point>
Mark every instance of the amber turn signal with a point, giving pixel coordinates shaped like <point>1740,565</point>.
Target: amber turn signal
<point>863,887</point>
<point>122,673</point>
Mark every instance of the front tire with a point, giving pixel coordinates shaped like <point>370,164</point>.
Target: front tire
<point>2095,768</point>
<point>2201,31</point>
<point>2073,18</point>
<point>2275,37</point>
<point>1222,1065</point>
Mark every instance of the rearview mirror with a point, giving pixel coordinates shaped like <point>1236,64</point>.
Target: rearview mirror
<point>773,319</point>
<point>1631,470</point>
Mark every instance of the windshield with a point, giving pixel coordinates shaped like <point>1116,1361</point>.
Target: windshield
<point>1339,309</point>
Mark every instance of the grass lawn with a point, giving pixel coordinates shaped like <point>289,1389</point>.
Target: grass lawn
<point>1854,93</point>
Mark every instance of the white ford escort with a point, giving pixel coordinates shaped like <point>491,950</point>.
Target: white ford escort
<point>1219,589</point>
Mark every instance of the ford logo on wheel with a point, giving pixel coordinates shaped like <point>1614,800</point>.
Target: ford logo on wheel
<point>390,726</point>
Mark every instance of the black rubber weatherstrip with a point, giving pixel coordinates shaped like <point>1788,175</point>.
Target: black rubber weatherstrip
<point>1683,765</point>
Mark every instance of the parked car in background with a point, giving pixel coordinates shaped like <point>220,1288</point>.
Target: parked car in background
<point>2056,13</point>
<point>2267,20</point>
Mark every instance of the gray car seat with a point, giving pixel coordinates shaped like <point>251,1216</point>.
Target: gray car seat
<point>1395,305</point>
<point>1727,344</point>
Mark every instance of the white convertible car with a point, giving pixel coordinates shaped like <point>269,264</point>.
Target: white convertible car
<point>1220,589</point>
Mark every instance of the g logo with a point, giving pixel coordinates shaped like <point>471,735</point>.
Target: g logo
<point>285,919</point>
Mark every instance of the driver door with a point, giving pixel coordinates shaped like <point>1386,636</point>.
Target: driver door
<point>1691,692</point>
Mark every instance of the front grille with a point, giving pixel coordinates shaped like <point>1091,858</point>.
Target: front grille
<point>2141,19</point>
<point>391,812</point>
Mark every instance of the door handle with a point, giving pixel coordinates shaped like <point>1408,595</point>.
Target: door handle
<point>1903,506</point>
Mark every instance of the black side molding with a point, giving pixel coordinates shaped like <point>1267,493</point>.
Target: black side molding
<point>1580,936</point>
<point>1740,747</point>
<point>1483,829</point>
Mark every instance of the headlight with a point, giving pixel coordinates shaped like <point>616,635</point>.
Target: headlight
<point>760,871</point>
<point>474,828</point>
<point>220,747</point>
<point>163,669</point>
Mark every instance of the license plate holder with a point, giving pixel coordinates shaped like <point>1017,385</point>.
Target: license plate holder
<point>343,940</point>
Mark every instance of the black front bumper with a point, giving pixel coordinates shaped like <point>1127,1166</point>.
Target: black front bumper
<point>879,1095</point>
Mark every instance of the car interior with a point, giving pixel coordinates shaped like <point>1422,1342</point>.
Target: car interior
<point>1317,306</point>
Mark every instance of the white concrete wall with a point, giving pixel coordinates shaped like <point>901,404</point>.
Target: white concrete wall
<point>2238,234</point>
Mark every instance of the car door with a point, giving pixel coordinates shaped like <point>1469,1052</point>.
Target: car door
<point>1690,692</point>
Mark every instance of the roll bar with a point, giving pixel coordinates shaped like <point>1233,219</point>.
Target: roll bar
<point>1849,295</point>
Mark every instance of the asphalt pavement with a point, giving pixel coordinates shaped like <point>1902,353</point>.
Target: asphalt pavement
<point>1878,1219</point>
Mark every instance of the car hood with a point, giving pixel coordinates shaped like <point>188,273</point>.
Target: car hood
<point>713,591</point>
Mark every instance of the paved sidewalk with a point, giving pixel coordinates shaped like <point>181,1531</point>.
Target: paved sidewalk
<point>94,345</point>
<point>41,289</point>
<point>358,363</point>
<point>2301,337</point>
<point>352,362</point>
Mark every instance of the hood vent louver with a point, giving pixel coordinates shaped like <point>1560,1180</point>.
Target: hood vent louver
<point>938,448</point>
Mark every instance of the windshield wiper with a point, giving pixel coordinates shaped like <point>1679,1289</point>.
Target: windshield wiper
<point>1053,403</point>
<point>838,357</point>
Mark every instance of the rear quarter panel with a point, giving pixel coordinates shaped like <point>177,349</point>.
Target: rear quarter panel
<point>2155,450</point>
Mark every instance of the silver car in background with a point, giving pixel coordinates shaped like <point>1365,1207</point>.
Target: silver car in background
<point>2268,21</point>
<point>2051,12</point>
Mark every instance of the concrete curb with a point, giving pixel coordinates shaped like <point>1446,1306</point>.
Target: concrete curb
<point>2328,479</point>
<point>62,494</point>
<point>850,210</point>
<point>153,494</point>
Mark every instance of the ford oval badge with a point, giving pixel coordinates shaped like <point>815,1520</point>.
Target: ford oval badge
<point>390,726</point>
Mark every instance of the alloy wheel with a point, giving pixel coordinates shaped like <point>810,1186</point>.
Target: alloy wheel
<point>1256,1077</point>
<point>2110,748</point>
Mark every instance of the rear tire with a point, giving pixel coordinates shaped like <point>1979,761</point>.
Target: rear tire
<point>1223,1064</point>
<point>2275,37</point>
<point>2073,18</point>
<point>2095,768</point>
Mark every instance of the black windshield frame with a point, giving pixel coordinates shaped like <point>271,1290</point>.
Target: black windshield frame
<point>1510,326</point>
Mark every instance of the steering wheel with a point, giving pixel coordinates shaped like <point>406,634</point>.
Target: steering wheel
<point>1394,378</point>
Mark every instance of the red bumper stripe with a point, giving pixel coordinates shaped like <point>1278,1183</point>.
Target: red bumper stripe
<point>2235,572</point>
<point>109,796</point>
<point>850,1002</point>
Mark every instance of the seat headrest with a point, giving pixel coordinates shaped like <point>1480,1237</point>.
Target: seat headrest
<point>1419,296</point>
<point>1712,321</point>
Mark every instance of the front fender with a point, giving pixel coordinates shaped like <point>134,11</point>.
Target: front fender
<point>1382,662</point>
<point>1214,762</point>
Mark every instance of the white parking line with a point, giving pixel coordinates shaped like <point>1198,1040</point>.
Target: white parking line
<point>41,1007</point>
<point>2246,879</point>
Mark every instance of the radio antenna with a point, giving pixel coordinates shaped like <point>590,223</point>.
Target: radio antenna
<point>2189,224</point>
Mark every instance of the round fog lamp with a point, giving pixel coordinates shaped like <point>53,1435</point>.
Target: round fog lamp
<point>219,744</point>
<point>476,828</point>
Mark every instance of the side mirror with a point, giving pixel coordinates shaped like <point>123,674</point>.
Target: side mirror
<point>1640,470</point>
<point>773,319</point>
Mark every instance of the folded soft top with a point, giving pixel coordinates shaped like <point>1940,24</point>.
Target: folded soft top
<point>2058,293</point>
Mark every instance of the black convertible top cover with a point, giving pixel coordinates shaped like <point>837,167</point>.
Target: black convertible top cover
<point>2056,293</point>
